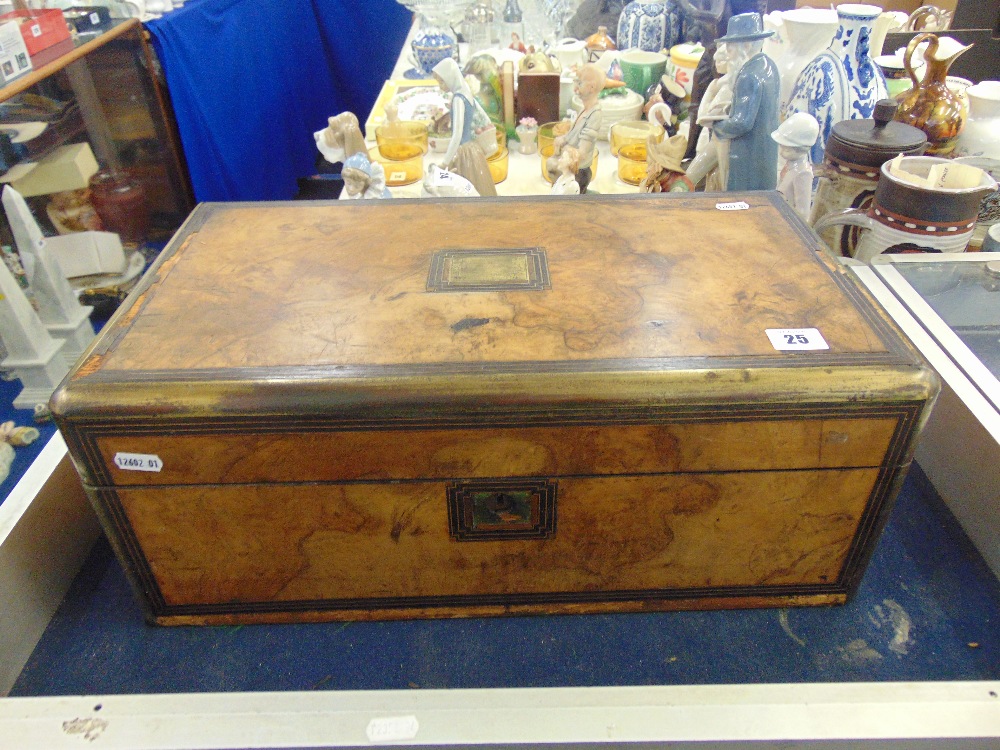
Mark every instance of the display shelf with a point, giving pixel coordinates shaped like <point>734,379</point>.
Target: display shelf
<point>106,93</point>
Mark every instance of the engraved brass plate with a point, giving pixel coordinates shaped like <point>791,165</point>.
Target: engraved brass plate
<point>493,509</point>
<point>489,270</point>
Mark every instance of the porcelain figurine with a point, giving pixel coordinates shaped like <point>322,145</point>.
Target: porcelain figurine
<point>473,135</point>
<point>711,160</point>
<point>664,173</point>
<point>795,138</point>
<point>439,183</point>
<point>341,138</point>
<point>569,165</point>
<point>484,71</point>
<point>584,132</point>
<point>363,179</point>
<point>931,105</point>
<point>842,82</point>
<point>753,155</point>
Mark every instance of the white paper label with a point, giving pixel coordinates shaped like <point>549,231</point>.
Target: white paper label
<point>138,462</point>
<point>736,206</point>
<point>397,176</point>
<point>95,18</point>
<point>796,339</point>
<point>392,729</point>
<point>36,30</point>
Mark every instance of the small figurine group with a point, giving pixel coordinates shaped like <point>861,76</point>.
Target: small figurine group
<point>342,141</point>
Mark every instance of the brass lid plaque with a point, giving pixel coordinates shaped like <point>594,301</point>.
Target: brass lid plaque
<point>489,270</point>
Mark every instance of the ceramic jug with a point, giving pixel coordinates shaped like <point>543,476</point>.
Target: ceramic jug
<point>981,136</point>
<point>807,32</point>
<point>904,217</point>
<point>571,53</point>
<point>931,105</point>
<point>841,82</point>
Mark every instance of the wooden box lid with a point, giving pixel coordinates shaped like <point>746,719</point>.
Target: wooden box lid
<point>298,307</point>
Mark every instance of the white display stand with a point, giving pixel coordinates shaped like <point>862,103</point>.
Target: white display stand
<point>58,307</point>
<point>33,356</point>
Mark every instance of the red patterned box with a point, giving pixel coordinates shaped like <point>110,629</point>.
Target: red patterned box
<point>40,28</point>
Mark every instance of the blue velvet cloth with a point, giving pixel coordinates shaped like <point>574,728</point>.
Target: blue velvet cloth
<point>251,80</point>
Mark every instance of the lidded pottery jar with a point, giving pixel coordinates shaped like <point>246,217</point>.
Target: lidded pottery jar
<point>931,105</point>
<point>854,155</point>
<point>598,43</point>
<point>120,202</point>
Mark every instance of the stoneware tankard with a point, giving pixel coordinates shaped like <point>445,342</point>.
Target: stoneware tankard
<point>904,217</point>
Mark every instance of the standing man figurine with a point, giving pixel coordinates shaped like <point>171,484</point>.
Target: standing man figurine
<point>583,135</point>
<point>753,116</point>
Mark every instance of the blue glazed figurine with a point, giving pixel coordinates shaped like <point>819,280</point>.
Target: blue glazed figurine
<point>842,82</point>
<point>753,115</point>
<point>651,25</point>
<point>363,179</point>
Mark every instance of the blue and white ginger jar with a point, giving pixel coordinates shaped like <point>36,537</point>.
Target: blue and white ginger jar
<point>842,82</point>
<point>430,47</point>
<point>651,25</point>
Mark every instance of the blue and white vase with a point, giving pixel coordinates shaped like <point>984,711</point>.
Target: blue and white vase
<point>651,25</point>
<point>430,46</point>
<point>842,82</point>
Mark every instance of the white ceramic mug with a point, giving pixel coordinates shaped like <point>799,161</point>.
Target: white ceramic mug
<point>571,52</point>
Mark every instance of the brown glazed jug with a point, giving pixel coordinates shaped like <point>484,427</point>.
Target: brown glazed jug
<point>930,105</point>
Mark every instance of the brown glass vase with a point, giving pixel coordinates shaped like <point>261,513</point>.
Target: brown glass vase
<point>930,105</point>
<point>120,202</point>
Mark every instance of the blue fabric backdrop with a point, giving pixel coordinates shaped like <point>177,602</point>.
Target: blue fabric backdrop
<point>251,80</point>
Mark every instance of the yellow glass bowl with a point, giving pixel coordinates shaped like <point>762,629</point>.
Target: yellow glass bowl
<point>399,173</point>
<point>632,163</point>
<point>547,133</point>
<point>498,164</point>
<point>402,140</point>
<point>545,153</point>
<point>629,132</point>
<point>501,136</point>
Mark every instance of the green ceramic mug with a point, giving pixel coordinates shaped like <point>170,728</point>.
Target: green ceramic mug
<point>641,69</point>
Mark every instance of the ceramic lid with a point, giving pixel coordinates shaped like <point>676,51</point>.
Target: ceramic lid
<point>875,141</point>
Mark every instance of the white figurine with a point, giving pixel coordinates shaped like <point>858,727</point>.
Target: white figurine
<point>439,183</point>
<point>341,138</point>
<point>711,155</point>
<point>569,164</point>
<point>473,135</point>
<point>795,137</point>
<point>590,81</point>
<point>363,179</point>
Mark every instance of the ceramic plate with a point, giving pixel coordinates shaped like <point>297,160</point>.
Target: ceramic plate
<point>421,103</point>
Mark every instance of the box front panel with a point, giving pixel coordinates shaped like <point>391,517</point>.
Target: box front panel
<point>254,548</point>
<point>250,453</point>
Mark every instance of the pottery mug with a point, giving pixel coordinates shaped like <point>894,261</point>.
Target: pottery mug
<point>641,69</point>
<point>904,217</point>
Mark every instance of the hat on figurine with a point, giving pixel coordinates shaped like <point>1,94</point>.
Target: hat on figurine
<point>360,162</point>
<point>800,130</point>
<point>668,153</point>
<point>746,27</point>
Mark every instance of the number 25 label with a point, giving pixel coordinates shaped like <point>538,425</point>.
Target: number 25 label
<point>796,339</point>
